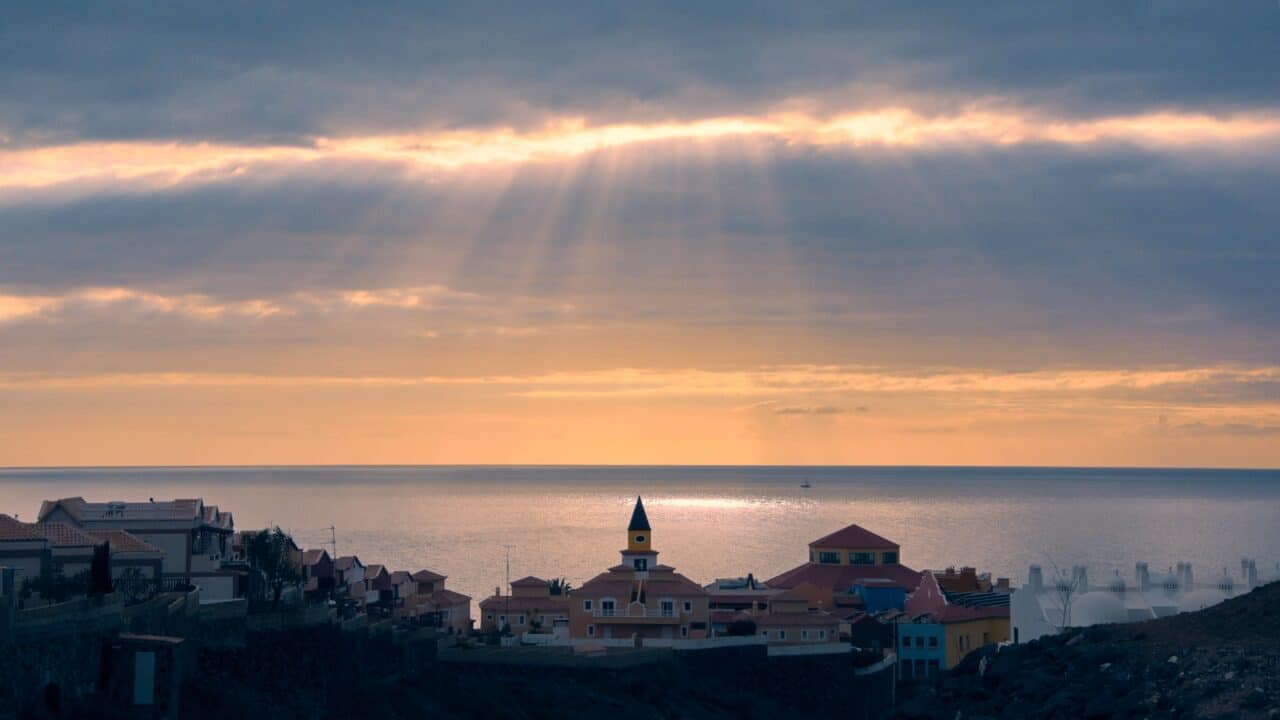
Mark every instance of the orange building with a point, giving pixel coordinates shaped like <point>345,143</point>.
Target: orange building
<point>638,598</point>
<point>853,556</point>
<point>529,608</point>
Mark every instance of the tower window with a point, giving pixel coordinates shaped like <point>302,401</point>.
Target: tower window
<point>827,557</point>
<point>642,563</point>
<point>862,558</point>
<point>639,538</point>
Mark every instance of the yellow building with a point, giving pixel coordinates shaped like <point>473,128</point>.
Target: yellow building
<point>638,598</point>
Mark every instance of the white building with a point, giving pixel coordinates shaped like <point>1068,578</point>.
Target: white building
<point>195,538</point>
<point>1047,606</point>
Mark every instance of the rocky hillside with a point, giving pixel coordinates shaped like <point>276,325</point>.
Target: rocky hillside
<point>1223,662</point>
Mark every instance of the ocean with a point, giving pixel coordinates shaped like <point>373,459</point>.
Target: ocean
<point>709,522</point>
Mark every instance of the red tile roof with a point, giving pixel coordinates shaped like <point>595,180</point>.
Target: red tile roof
<point>372,572</point>
<point>854,536</point>
<point>428,576</point>
<point>549,604</point>
<point>11,529</point>
<point>794,619</point>
<point>346,562</point>
<point>840,578</point>
<point>529,581</point>
<point>311,557</point>
<point>960,613</point>
<point>400,577</point>
<point>124,542</point>
<point>618,583</point>
<point>447,598</point>
<point>64,535</point>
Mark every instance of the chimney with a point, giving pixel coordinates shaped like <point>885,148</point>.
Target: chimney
<point>1002,585</point>
<point>1035,579</point>
<point>1142,576</point>
<point>1080,576</point>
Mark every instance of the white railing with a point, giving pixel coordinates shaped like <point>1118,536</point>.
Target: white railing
<point>634,613</point>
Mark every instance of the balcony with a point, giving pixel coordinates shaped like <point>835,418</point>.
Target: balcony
<point>636,613</point>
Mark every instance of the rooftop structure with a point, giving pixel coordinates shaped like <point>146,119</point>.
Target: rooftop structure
<point>1049,605</point>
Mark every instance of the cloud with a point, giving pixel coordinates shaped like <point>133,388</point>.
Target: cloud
<point>297,71</point>
<point>810,410</point>
<point>1196,429</point>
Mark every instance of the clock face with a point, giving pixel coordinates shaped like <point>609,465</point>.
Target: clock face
<point>639,538</point>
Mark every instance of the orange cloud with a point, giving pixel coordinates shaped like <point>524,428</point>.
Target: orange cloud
<point>166,163</point>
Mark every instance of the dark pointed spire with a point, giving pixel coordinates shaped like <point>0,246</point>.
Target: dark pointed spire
<point>639,521</point>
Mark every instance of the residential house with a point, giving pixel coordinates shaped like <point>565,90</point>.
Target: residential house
<point>378,589</point>
<point>195,538</point>
<point>638,598</point>
<point>348,577</point>
<point>23,548</point>
<point>426,600</point>
<point>530,607</point>
<point>939,628</point>
<point>795,619</point>
<point>317,573</point>
<point>844,561</point>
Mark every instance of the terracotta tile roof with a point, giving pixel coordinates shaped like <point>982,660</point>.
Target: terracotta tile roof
<point>529,581</point>
<point>854,536</point>
<point>11,529</point>
<point>839,578</point>
<point>428,576</point>
<point>346,562</point>
<point>400,577</point>
<point>447,598</point>
<point>960,613</point>
<point>618,584</point>
<point>549,604</point>
<point>65,535</point>
<point>311,557</point>
<point>192,509</point>
<point>124,542</point>
<point>797,619</point>
<point>371,572</point>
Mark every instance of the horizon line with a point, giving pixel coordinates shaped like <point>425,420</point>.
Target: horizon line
<point>942,466</point>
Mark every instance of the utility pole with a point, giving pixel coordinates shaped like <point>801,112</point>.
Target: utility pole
<point>507,602</point>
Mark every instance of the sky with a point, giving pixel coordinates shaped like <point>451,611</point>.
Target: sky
<point>728,233</point>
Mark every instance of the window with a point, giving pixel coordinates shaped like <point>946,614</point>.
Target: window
<point>933,667</point>
<point>668,608</point>
<point>688,606</point>
<point>829,557</point>
<point>889,558</point>
<point>906,641</point>
<point>782,634</point>
<point>489,617</point>
<point>764,634</point>
<point>862,558</point>
<point>502,619</point>
<point>520,620</point>
<point>591,631</point>
<point>642,564</point>
<point>684,631</point>
<point>606,608</point>
<point>822,634</point>
<point>639,538</point>
<point>804,634</point>
<point>919,668</point>
<point>933,642</point>
<point>586,605</point>
<point>919,641</point>
<point>986,638</point>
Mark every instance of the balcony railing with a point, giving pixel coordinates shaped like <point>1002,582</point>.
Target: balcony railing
<point>633,612</point>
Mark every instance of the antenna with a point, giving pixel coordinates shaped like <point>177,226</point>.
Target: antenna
<point>333,540</point>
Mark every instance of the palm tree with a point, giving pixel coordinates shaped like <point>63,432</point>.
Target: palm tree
<point>560,586</point>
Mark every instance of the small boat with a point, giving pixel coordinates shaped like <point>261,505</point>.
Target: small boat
<point>805,485</point>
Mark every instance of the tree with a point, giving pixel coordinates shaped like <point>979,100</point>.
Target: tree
<point>54,586</point>
<point>267,552</point>
<point>100,571</point>
<point>559,586</point>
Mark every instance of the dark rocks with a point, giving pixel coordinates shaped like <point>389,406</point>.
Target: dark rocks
<point>1206,664</point>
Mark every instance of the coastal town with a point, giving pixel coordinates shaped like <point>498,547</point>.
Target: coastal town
<point>853,597</point>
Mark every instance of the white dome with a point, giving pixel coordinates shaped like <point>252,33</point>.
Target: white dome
<point>1169,583</point>
<point>1200,599</point>
<point>1097,608</point>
